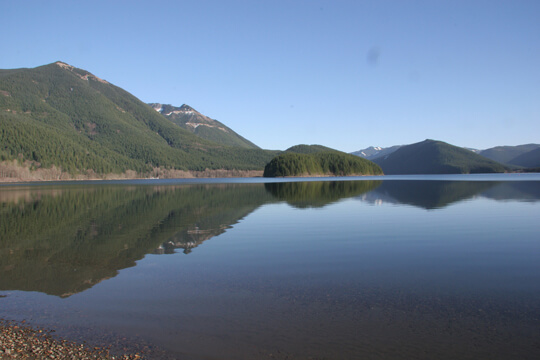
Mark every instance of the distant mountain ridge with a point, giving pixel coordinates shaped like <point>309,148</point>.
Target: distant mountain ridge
<point>515,155</point>
<point>201,125</point>
<point>530,159</point>
<point>436,157</point>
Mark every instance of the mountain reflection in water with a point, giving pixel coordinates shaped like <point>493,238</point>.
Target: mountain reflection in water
<point>439,194</point>
<point>64,240</point>
<point>319,193</point>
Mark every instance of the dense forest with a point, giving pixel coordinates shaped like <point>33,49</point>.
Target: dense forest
<point>323,163</point>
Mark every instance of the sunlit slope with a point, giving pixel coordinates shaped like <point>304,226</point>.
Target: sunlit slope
<point>61,115</point>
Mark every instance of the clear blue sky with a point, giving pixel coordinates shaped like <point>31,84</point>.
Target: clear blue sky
<point>345,74</point>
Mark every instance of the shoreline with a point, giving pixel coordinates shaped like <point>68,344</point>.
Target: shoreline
<point>18,340</point>
<point>257,175</point>
<point>12,172</point>
<point>192,175</point>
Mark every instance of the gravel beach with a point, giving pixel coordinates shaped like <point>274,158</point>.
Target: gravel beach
<point>19,341</point>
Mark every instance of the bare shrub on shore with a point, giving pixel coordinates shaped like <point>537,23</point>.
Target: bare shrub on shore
<point>160,173</point>
<point>13,171</point>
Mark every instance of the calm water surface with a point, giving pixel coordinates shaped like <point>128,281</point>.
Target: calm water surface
<point>368,268</point>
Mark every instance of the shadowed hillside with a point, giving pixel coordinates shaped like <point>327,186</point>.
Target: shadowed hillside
<point>530,159</point>
<point>505,154</point>
<point>436,157</point>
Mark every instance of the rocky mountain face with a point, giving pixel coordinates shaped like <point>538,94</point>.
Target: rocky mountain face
<point>201,125</point>
<point>373,152</point>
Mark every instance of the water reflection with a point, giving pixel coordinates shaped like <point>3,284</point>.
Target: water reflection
<point>439,194</point>
<point>427,194</point>
<point>64,240</point>
<point>528,191</point>
<point>319,193</point>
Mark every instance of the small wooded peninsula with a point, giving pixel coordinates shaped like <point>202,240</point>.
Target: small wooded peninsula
<point>317,160</point>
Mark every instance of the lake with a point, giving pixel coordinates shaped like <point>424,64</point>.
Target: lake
<point>390,267</point>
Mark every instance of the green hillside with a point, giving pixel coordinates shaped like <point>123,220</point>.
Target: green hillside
<point>63,116</point>
<point>315,162</point>
<point>436,157</point>
<point>190,119</point>
<point>505,154</point>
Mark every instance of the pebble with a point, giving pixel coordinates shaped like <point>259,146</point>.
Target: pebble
<point>18,341</point>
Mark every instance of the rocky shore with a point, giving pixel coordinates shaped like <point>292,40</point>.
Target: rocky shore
<point>19,341</point>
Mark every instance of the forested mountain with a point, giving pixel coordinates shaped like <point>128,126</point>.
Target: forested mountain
<point>62,116</point>
<point>317,160</point>
<point>190,119</point>
<point>436,157</point>
<point>505,154</point>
